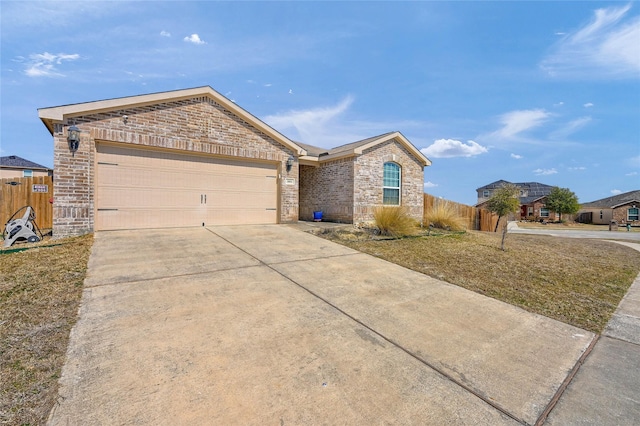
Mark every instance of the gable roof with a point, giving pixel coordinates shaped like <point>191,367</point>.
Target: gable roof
<point>357,148</point>
<point>61,114</point>
<point>13,161</point>
<point>615,201</point>
<point>535,190</point>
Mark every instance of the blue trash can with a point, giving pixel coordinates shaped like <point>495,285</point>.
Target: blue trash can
<point>317,216</point>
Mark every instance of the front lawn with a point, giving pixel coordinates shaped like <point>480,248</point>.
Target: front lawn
<point>40,291</point>
<point>579,282</point>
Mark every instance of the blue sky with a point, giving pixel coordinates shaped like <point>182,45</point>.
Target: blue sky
<point>521,91</point>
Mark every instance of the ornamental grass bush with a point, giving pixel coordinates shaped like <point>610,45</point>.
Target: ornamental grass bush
<point>444,216</point>
<point>394,221</point>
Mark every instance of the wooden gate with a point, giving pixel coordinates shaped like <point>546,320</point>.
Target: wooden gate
<point>36,192</point>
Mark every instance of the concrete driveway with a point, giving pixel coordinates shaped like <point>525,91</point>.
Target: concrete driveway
<point>271,325</point>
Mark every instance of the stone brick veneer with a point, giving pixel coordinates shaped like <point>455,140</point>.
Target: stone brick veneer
<point>369,170</point>
<point>196,125</point>
<point>349,189</point>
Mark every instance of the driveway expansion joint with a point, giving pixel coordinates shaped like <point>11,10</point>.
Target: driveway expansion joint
<point>413,355</point>
<point>565,383</point>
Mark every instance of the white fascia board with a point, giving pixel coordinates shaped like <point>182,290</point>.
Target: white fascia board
<point>404,141</point>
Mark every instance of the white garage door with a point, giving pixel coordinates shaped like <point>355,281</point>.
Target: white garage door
<point>143,188</point>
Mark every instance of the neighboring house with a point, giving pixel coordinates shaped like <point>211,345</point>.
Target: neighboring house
<point>193,158</point>
<point>623,208</point>
<point>533,196</point>
<point>13,166</point>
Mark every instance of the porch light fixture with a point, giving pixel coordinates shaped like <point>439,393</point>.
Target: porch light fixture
<point>290,163</point>
<point>73,137</point>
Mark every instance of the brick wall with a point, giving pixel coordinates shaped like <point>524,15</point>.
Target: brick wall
<point>349,189</point>
<point>369,170</point>
<point>621,213</point>
<point>197,125</point>
<point>328,188</point>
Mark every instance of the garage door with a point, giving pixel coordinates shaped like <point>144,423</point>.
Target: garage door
<point>143,188</point>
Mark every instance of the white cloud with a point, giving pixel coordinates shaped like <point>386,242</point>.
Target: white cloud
<point>516,156</point>
<point>164,33</point>
<point>616,191</point>
<point>579,168</point>
<point>605,47</point>
<point>559,104</point>
<point>516,122</point>
<point>268,85</point>
<point>311,125</point>
<point>571,127</point>
<point>449,148</point>
<point>588,105</point>
<point>430,184</point>
<point>631,174</point>
<point>195,39</point>
<point>545,172</point>
<point>44,64</point>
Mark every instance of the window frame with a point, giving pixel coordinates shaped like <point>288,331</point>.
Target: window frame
<point>629,216</point>
<point>486,193</point>
<point>544,210</point>
<point>386,188</point>
<point>27,173</point>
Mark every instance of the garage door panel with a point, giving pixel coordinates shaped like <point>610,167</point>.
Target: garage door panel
<point>142,188</point>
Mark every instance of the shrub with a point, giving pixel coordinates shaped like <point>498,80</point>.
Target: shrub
<point>444,216</point>
<point>394,221</point>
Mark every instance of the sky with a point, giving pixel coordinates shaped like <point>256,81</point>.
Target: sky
<point>526,91</point>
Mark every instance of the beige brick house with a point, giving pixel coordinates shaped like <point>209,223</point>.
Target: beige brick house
<point>194,158</point>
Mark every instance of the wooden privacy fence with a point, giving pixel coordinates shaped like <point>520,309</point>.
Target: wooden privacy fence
<point>477,219</point>
<point>30,191</point>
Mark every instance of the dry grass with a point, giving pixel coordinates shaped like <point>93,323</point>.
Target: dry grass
<point>444,216</point>
<point>394,221</point>
<point>579,282</point>
<point>40,292</point>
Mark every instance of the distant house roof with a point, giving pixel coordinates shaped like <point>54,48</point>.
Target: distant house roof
<point>616,200</point>
<point>357,148</point>
<point>535,190</point>
<point>15,162</point>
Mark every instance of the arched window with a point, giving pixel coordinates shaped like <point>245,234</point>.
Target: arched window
<point>391,184</point>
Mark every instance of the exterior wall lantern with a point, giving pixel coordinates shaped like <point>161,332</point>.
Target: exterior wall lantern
<point>290,163</point>
<point>73,137</point>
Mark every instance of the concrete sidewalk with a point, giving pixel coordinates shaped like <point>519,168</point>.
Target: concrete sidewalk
<point>270,325</point>
<point>606,389</point>
<point>513,228</point>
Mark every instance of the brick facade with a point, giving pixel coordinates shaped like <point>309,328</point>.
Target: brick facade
<point>621,213</point>
<point>369,170</point>
<point>195,125</point>
<point>349,189</point>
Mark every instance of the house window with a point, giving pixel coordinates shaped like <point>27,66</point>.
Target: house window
<point>391,184</point>
<point>27,173</point>
<point>486,193</point>
<point>544,212</point>
<point>632,214</point>
<point>529,211</point>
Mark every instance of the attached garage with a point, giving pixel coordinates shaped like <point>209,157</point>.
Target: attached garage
<point>173,159</point>
<point>147,188</point>
<point>194,158</point>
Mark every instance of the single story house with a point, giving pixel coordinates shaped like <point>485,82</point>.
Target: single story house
<point>13,166</point>
<point>532,196</point>
<point>622,208</point>
<point>194,158</point>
